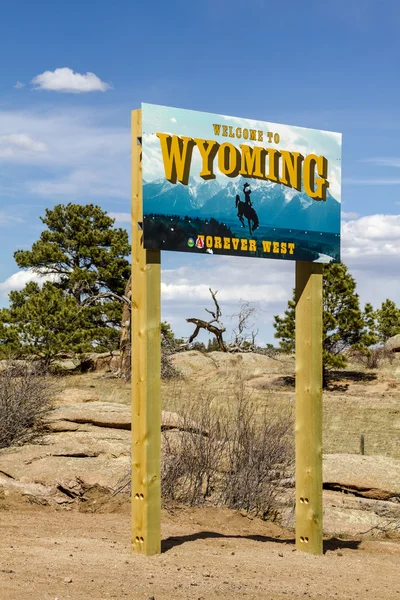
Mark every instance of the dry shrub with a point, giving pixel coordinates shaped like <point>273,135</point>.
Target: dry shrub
<point>372,358</point>
<point>192,457</point>
<point>260,457</point>
<point>235,457</point>
<point>25,396</point>
<point>168,370</point>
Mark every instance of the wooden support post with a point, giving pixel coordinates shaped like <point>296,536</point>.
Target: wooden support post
<point>146,371</point>
<point>309,407</point>
<point>362,443</point>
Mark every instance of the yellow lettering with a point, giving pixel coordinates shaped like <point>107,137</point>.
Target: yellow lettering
<point>238,132</point>
<point>208,150</point>
<point>273,163</point>
<point>252,245</point>
<point>245,133</point>
<point>266,246</point>
<point>229,160</point>
<point>218,242</point>
<point>321,184</point>
<point>235,243</point>
<point>277,138</point>
<point>283,248</point>
<point>231,134</point>
<point>275,247</point>
<point>253,160</point>
<point>291,248</point>
<point>177,156</point>
<point>209,241</point>
<point>270,134</point>
<point>217,129</point>
<point>260,136</point>
<point>227,243</point>
<point>291,169</point>
<point>243,244</point>
<point>225,130</point>
<point>253,135</point>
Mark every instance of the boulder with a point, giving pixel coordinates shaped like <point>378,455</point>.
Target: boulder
<point>192,363</point>
<point>393,344</point>
<point>87,445</point>
<point>248,363</point>
<point>100,414</point>
<point>376,477</point>
<point>76,395</point>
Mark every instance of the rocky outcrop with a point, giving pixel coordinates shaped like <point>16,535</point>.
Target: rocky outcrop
<point>87,444</point>
<point>376,477</point>
<point>393,344</point>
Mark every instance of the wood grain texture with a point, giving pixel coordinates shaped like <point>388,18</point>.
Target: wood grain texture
<point>146,372</point>
<point>309,532</point>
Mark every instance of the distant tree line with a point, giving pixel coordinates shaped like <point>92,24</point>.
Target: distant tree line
<point>81,270</point>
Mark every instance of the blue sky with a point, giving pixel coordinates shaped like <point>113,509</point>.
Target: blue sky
<point>327,65</point>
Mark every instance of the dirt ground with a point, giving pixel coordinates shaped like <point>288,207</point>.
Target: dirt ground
<point>207,554</point>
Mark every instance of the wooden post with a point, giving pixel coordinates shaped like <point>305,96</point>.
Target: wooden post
<point>146,371</point>
<point>362,444</point>
<point>309,407</point>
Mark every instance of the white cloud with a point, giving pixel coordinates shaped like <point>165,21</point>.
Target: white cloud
<point>347,216</point>
<point>15,144</point>
<point>385,181</point>
<point>80,182</point>
<point>383,161</point>
<point>19,85</point>
<point>7,218</point>
<point>66,80</point>
<point>120,217</point>
<point>17,281</point>
<point>78,156</point>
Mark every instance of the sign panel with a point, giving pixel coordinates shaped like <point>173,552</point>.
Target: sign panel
<point>227,185</point>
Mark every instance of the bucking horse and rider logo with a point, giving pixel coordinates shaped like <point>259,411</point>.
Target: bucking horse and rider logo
<point>245,209</point>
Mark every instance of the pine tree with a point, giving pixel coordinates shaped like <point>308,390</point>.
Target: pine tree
<point>86,255</point>
<point>45,321</point>
<point>387,320</point>
<point>344,324</point>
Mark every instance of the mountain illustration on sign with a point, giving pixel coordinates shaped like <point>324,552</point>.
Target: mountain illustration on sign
<point>245,209</point>
<point>276,205</point>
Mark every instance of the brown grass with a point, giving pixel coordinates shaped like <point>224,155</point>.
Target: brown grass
<point>365,403</point>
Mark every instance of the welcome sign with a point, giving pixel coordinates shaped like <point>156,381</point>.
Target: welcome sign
<point>227,185</point>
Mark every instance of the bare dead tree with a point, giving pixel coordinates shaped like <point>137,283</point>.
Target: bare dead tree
<point>244,340</point>
<point>213,326</point>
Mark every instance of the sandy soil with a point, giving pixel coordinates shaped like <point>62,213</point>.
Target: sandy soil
<point>207,554</point>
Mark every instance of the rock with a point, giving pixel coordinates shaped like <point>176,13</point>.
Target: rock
<point>248,363</point>
<point>352,515</point>
<point>104,361</point>
<point>87,446</point>
<point>263,382</point>
<point>171,420</point>
<point>368,476</point>
<point>76,395</point>
<point>193,363</point>
<point>100,414</point>
<point>393,344</point>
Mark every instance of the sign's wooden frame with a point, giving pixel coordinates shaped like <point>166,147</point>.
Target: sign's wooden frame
<point>146,386</point>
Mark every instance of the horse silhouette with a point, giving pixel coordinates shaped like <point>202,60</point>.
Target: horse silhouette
<point>247,211</point>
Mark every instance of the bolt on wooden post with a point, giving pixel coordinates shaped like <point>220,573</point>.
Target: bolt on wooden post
<point>146,371</point>
<point>309,533</point>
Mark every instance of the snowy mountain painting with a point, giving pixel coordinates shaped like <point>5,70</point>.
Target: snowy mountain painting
<point>215,214</point>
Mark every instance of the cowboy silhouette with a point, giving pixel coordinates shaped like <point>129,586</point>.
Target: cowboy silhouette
<point>247,192</point>
<point>245,209</point>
